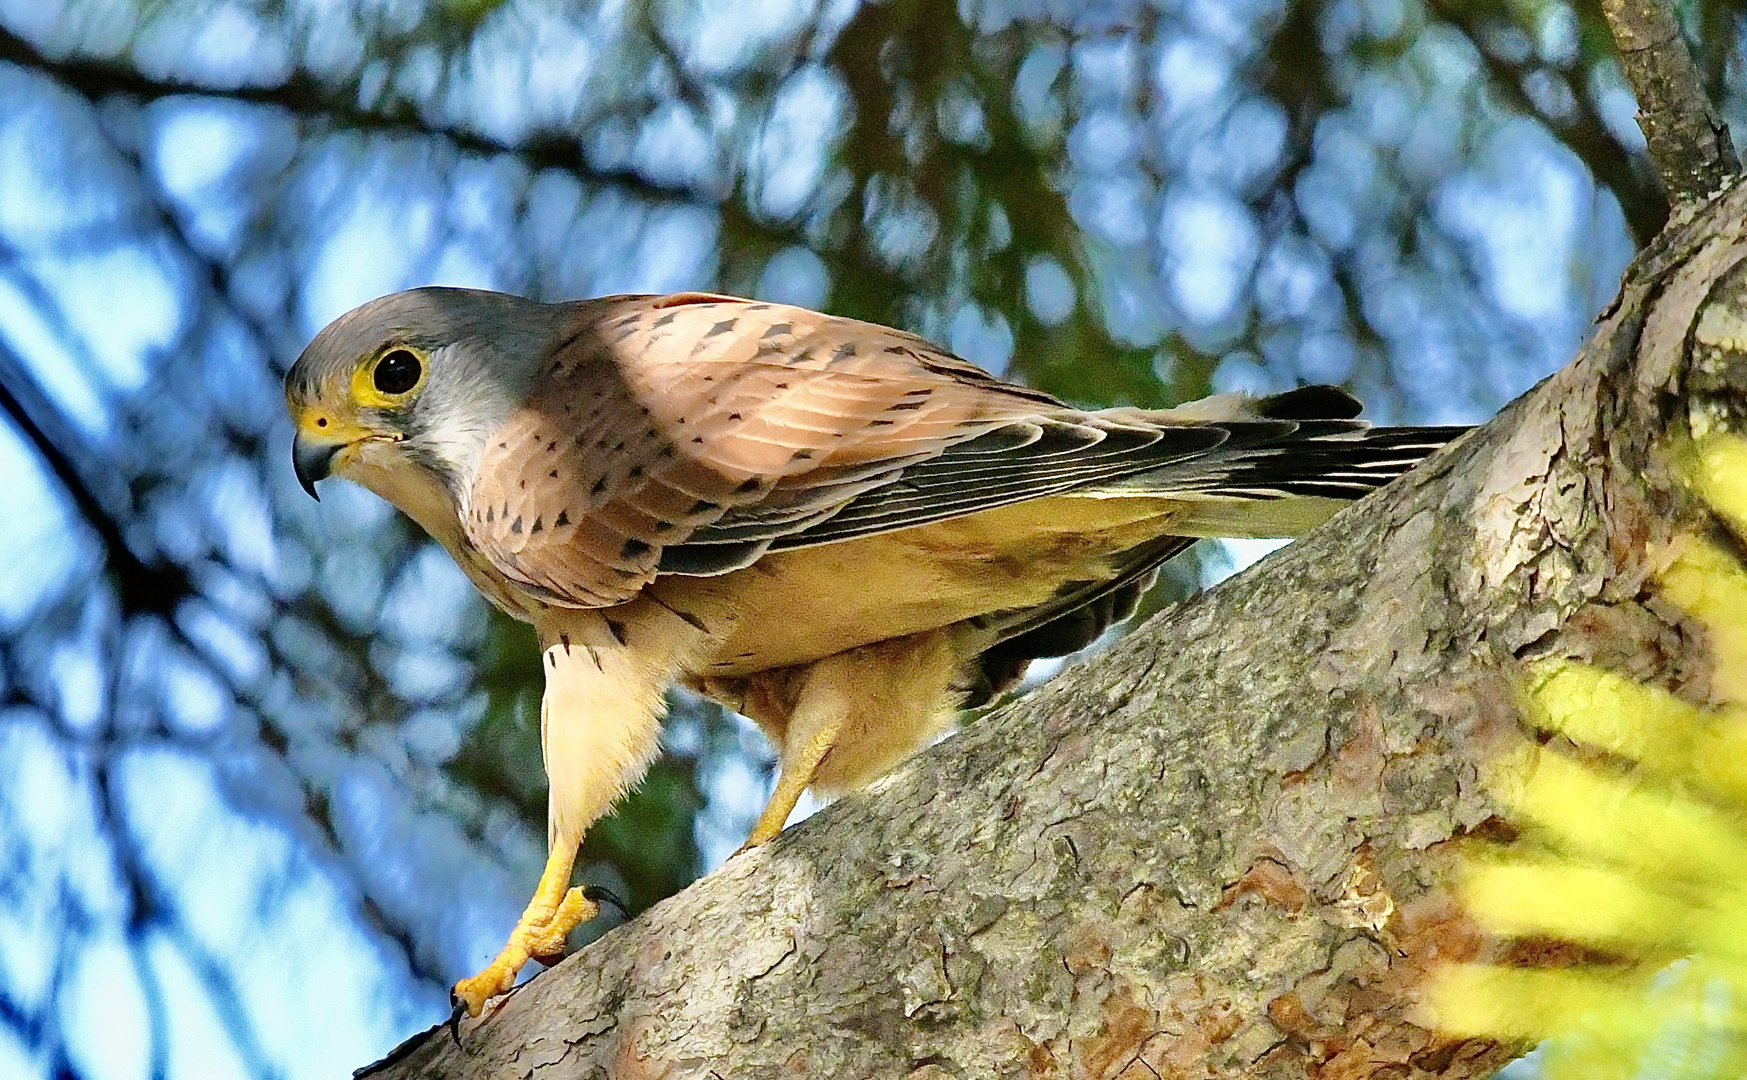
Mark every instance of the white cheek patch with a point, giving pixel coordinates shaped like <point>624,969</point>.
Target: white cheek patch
<point>454,437</point>
<point>466,400</point>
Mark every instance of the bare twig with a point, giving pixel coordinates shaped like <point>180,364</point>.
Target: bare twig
<point>1688,142</point>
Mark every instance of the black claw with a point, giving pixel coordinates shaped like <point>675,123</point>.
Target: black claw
<point>458,1009</point>
<point>597,894</point>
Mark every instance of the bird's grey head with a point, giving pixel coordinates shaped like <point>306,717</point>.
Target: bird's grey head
<point>406,389</point>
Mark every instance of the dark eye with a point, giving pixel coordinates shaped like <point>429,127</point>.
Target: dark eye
<point>397,372</point>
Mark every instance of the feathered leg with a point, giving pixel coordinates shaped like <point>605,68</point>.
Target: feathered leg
<point>858,713</point>
<point>600,727</point>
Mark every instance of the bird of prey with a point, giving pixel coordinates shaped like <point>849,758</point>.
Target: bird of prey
<point>840,530</point>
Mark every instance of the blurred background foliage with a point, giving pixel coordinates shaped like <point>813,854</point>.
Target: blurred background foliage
<point>269,772</point>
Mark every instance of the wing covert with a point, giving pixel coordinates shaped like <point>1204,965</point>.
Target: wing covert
<point>661,415</point>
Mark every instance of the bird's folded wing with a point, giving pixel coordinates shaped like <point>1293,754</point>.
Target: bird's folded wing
<point>663,414</point>
<point>690,434</point>
<point>1252,459</point>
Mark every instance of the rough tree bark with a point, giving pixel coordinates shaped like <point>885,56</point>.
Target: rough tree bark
<point>1222,848</point>
<point>1686,139</point>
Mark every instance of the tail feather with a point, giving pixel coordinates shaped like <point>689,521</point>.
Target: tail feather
<point>1345,465</point>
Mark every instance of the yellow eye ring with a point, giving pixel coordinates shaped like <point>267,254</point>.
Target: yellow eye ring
<point>390,378</point>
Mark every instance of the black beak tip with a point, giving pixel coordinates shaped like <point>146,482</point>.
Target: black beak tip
<point>312,461</point>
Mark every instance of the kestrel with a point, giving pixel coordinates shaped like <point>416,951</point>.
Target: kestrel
<point>839,529</point>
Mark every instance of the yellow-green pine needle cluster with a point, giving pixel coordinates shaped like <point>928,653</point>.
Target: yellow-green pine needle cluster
<point>1638,853</point>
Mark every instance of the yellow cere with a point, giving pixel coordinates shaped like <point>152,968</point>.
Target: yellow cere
<point>1639,854</point>
<point>325,425</point>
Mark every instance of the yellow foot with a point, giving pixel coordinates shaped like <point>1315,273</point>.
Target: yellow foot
<point>540,935</point>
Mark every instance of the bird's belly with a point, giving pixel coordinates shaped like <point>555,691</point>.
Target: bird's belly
<point>794,607</point>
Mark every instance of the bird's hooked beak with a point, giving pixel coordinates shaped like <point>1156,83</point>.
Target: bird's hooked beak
<point>325,443</point>
<point>312,459</point>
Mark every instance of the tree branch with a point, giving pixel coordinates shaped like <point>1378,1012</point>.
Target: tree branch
<point>1688,141</point>
<point>97,494</point>
<point>317,103</point>
<point>1223,847</point>
<point>1625,173</point>
<point>308,98</point>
